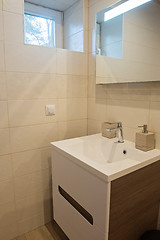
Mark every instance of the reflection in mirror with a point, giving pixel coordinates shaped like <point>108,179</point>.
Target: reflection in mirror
<point>127,42</point>
<point>54,23</point>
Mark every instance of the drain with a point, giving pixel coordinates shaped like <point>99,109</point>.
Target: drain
<point>124,152</point>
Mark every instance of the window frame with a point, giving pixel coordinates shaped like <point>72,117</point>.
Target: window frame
<point>40,11</point>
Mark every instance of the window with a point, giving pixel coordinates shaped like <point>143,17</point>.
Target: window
<point>39,30</point>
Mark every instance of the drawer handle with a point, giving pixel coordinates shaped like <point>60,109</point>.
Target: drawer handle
<point>76,205</point>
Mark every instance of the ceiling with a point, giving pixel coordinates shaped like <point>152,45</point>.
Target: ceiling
<point>60,5</point>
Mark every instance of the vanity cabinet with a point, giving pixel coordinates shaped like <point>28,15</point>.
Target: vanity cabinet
<point>100,200</point>
<point>134,203</point>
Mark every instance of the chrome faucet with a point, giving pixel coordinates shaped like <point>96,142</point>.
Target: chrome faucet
<point>119,131</point>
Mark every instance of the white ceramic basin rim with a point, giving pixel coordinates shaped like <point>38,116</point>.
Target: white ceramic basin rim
<point>107,151</point>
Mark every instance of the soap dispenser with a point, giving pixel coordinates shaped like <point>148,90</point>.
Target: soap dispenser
<point>145,140</point>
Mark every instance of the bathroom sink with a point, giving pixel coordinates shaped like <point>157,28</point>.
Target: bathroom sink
<point>106,152</point>
<point>106,157</point>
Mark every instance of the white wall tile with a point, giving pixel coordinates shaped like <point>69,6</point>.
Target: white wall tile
<point>75,42</point>
<point>73,19</point>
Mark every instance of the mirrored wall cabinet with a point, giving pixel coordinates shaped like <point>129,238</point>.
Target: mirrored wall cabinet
<point>127,42</point>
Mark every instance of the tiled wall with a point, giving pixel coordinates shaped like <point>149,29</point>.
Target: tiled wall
<point>132,103</point>
<point>73,27</point>
<point>30,78</point>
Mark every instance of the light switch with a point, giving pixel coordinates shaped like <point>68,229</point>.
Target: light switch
<point>50,110</point>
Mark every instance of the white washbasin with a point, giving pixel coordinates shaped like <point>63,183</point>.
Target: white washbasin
<point>107,152</point>
<point>106,157</point>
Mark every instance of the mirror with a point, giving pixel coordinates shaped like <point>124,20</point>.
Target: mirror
<point>54,23</point>
<point>128,44</point>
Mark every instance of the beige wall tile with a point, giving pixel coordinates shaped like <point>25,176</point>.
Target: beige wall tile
<point>32,137</point>
<point>28,58</point>
<point>31,161</point>
<point>130,133</point>
<point>3,90</point>
<point>9,232</point>
<point>2,67</point>
<point>1,26</point>
<point>72,129</point>
<point>31,184</point>
<point>30,224</point>
<point>22,237</point>
<point>72,63</point>
<point>94,126</point>
<point>92,40</point>
<point>154,117</point>
<point>97,109</point>
<point>96,91</point>
<point>155,91</point>
<point>0,4</point>
<point>72,86</point>
<point>5,167</point>
<point>7,192</point>
<point>31,85</point>
<point>16,6</point>
<point>30,206</point>
<point>127,112</point>
<point>63,58</point>
<point>129,91</point>
<point>92,65</point>
<point>12,22</point>
<point>85,41</point>
<point>3,114</point>
<point>72,109</point>
<point>157,140</point>
<point>27,112</point>
<point>139,91</point>
<point>7,214</point>
<point>4,141</point>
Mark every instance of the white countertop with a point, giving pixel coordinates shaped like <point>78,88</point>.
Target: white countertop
<point>105,157</point>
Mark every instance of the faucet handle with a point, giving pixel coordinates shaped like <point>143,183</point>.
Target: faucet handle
<point>119,124</point>
<point>144,128</point>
